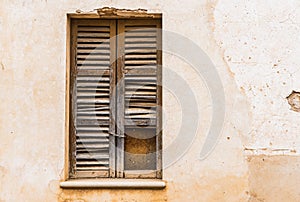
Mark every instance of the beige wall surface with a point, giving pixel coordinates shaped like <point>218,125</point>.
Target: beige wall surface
<point>254,46</point>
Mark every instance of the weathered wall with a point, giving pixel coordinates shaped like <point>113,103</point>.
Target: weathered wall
<point>255,47</point>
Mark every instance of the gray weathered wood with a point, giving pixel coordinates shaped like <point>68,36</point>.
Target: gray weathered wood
<point>120,100</point>
<point>112,122</point>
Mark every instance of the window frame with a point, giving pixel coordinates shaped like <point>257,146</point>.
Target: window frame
<point>71,64</point>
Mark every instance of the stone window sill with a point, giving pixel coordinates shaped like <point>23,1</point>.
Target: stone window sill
<point>114,183</point>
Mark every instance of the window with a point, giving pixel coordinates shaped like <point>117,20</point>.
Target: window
<point>116,98</point>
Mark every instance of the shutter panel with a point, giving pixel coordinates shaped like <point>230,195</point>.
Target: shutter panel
<point>93,81</point>
<point>139,98</point>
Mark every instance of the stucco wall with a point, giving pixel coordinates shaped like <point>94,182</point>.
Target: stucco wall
<point>255,47</point>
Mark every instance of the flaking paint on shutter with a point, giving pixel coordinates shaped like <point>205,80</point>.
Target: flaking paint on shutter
<point>93,75</point>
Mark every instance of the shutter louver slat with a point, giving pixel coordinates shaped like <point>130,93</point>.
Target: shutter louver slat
<point>91,134</point>
<point>93,35</point>
<point>141,51</point>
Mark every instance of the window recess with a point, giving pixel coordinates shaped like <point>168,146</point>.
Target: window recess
<point>115,105</point>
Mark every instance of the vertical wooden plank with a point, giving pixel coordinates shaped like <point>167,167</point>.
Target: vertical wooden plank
<point>113,115</point>
<point>72,92</point>
<point>67,101</point>
<point>159,101</point>
<point>120,97</point>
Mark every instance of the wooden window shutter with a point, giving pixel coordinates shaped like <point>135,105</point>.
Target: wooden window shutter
<point>92,83</point>
<point>139,98</point>
<point>116,96</point>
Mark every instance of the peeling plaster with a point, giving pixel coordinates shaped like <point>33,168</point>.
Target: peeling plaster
<point>294,101</point>
<point>120,12</point>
